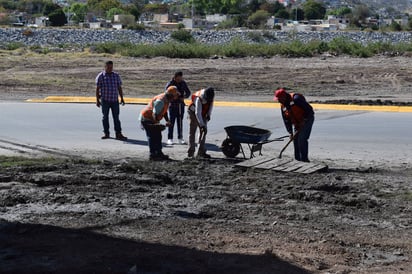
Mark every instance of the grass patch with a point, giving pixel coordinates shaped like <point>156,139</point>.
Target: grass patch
<point>18,161</point>
<point>183,46</point>
<point>407,196</point>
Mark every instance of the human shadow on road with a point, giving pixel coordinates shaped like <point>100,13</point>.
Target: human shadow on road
<point>136,142</point>
<point>35,248</point>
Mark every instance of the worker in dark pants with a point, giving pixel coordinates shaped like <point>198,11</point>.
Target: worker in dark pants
<point>150,118</point>
<point>297,113</point>
<point>177,107</point>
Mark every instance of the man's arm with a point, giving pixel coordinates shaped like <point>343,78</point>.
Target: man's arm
<point>98,96</point>
<point>121,95</point>
<point>198,113</point>
<point>168,84</point>
<point>186,90</point>
<point>287,122</point>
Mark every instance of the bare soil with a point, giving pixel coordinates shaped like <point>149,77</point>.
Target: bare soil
<point>203,216</point>
<point>323,79</point>
<point>194,216</point>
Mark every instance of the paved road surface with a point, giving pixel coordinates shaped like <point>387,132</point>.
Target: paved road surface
<point>339,138</point>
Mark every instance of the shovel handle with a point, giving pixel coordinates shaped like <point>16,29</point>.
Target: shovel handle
<point>288,143</point>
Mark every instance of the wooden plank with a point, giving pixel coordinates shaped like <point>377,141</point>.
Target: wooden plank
<point>296,165</point>
<point>315,168</point>
<point>273,163</point>
<point>290,165</point>
<point>305,167</point>
<point>254,161</point>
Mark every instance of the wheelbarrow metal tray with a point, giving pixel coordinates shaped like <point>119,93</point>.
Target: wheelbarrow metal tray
<point>247,135</point>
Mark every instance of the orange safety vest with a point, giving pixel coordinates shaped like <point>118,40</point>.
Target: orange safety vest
<point>205,107</point>
<point>147,112</point>
<point>295,114</point>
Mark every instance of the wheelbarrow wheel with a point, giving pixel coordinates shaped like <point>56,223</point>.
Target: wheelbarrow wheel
<point>230,148</point>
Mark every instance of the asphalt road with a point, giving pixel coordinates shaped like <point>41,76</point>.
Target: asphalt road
<point>346,139</point>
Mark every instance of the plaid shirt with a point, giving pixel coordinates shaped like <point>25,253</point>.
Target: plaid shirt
<point>109,84</point>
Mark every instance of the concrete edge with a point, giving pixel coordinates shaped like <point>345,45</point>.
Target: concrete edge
<point>143,101</point>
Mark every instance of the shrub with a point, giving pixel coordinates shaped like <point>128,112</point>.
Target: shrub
<point>13,46</point>
<point>183,36</point>
<point>255,36</point>
<point>258,19</point>
<point>136,27</point>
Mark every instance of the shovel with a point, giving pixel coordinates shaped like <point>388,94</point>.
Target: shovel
<point>290,141</point>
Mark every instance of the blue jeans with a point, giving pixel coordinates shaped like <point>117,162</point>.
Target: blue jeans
<point>154,138</point>
<point>301,141</point>
<point>106,107</point>
<point>176,113</point>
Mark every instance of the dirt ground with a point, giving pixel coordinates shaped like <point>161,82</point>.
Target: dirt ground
<point>325,78</point>
<point>130,216</point>
<point>76,215</point>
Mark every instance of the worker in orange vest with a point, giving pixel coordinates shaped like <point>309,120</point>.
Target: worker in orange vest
<point>199,115</point>
<point>150,118</point>
<point>299,114</point>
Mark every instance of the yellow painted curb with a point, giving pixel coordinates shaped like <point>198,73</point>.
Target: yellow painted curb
<point>143,101</point>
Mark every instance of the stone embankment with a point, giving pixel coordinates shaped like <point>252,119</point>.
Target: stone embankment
<point>85,37</point>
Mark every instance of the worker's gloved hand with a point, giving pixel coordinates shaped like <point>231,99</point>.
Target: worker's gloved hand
<point>290,136</point>
<point>207,117</point>
<point>203,129</point>
<point>168,124</point>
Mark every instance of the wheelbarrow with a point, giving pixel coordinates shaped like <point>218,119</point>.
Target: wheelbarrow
<point>254,137</point>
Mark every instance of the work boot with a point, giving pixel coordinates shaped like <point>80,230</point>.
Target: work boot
<point>203,155</point>
<point>106,136</point>
<point>120,137</point>
<point>163,156</point>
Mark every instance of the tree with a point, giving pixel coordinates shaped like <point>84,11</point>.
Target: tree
<point>8,4</point>
<point>342,11</point>
<point>284,14</point>
<point>258,19</point>
<point>297,14</point>
<point>57,18</point>
<point>79,11</point>
<point>133,10</point>
<point>113,11</point>
<point>31,6</point>
<point>360,13</point>
<point>50,7</point>
<point>314,10</point>
<point>395,26</point>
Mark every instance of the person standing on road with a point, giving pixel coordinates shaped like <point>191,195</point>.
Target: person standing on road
<point>150,117</point>
<point>177,107</point>
<point>108,90</point>
<point>297,113</point>
<point>199,115</point>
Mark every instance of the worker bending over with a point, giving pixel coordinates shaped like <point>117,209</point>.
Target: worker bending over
<point>150,117</point>
<point>199,115</point>
<point>297,113</point>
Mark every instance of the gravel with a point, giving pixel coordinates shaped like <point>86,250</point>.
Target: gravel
<point>84,37</point>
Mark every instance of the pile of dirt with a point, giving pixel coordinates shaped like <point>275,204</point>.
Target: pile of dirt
<point>197,216</point>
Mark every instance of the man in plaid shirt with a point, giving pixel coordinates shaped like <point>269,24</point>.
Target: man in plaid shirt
<point>108,90</point>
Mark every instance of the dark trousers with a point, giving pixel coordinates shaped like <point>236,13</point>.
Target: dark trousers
<point>176,113</point>
<point>106,107</point>
<point>154,137</point>
<point>301,141</point>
